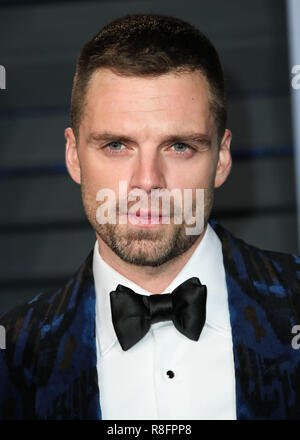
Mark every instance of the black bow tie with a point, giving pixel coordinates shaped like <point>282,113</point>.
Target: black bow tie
<point>133,314</point>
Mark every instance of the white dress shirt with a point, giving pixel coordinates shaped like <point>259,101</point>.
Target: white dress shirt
<point>138,384</point>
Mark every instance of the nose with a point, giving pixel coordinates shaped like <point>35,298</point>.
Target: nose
<point>148,171</point>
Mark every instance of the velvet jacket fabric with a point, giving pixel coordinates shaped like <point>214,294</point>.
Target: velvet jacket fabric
<point>48,369</point>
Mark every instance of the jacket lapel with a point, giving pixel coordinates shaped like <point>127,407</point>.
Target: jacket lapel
<point>67,374</point>
<point>266,366</point>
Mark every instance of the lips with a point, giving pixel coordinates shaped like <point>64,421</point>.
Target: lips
<point>145,218</point>
<point>147,214</point>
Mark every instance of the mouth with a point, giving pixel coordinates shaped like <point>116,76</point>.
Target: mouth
<point>148,214</point>
<point>146,219</point>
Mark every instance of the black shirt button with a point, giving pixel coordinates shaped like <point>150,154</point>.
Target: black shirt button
<point>171,374</point>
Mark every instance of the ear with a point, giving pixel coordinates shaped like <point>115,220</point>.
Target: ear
<point>225,161</point>
<point>71,156</point>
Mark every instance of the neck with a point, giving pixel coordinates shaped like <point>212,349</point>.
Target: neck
<point>152,279</point>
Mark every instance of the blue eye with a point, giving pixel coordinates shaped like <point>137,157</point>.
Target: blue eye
<point>115,146</point>
<point>182,147</point>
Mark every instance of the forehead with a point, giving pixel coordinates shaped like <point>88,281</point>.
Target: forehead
<point>169,99</point>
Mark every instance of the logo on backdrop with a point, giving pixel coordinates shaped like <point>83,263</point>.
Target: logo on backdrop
<point>2,78</point>
<point>2,338</point>
<point>296,78</point>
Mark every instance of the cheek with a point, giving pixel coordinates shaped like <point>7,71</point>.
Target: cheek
<point>97,174</point>
<point>195,175</point>
<point>91,178</point>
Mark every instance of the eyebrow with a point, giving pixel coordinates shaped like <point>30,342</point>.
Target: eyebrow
<point>107,136</point>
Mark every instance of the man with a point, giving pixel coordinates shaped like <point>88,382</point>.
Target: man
<point>157,323</point>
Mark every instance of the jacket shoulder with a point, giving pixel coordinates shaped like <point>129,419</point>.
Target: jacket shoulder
<point>33,332</point>
<point>278,270</point>
<point>45,307</point>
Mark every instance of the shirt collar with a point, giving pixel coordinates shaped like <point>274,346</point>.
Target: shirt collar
<point>206,263</point>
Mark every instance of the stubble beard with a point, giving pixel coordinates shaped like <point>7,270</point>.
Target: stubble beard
<point>144,247</point>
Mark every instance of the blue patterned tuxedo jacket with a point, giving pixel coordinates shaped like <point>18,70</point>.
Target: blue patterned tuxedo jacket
<point>48,369</point>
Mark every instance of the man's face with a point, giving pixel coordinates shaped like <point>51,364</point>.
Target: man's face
<point>152,132</point>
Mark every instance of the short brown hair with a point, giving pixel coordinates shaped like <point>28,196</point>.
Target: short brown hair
<point>150,45</point>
